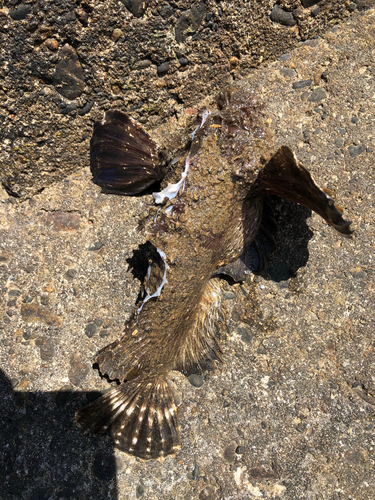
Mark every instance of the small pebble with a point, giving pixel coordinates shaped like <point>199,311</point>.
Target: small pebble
<point>70,273</point>
<point>311,43</point>
<point>20,13</point>
<point>116,34</point>
<point>317,95</point>
<point>339,142</point>
<point>143,64</point>
<point>196,380</point>
<point>239,450</point>
<point>140,491</point>
<point>78,370</point>
<point>68,78</point>
<point>86,108</point>
<point>163,68</point>
<point>355,151</point>
<point>44,300</point>
<point>70,107</point>
<point>306,135</point>
<point>301,427</point>
<point>354,119</point>
<point>305,96</point>
<point>70,16</point>
<point>90,330</point>
<point>229,295</point>
<point>301,84</point>
<point>96,246</point>
<point>14,382</point>
<point>289,72</point>
<point>245,334</point>
<point>280,16</point>
<point>52,44</point>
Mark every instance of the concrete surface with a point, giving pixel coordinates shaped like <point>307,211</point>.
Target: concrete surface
<point>291,413</point>
<point>63,62</point>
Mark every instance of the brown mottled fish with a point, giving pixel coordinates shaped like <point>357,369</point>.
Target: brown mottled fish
<point>206,223</point>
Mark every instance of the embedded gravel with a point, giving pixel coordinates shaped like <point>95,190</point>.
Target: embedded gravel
<point>291,413</point>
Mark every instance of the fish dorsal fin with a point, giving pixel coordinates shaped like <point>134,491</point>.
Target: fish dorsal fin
<point>124,158</point>
<point>200,346</point>
<point>141,416</point>
<point>283,175</point>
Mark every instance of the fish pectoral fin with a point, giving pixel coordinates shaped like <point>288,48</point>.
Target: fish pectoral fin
<point>201,347</point>
<point>141,416</point>
<point>253,258</point>
<point>283,175</point>
<point>124,158</point>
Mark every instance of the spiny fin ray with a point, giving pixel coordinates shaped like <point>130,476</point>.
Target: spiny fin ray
<point>201,347</point>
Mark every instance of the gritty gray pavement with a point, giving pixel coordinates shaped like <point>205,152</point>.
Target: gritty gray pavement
<point>291,413</point>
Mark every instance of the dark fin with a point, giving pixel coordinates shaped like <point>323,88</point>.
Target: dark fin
<point>124,158</point>
<point>141,416</point>
<point>285,176</point>
<point>253,258</point>
<point>201,347</point>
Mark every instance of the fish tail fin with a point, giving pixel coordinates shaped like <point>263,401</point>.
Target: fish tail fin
<point>201,347</point>
<point>285,176</point>
<point>141,416</point>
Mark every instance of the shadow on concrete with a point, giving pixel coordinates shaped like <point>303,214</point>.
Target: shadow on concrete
<point>292,240</point>
<point>44,456</point>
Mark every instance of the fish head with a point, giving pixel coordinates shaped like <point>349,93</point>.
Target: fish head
<point>242,131</point>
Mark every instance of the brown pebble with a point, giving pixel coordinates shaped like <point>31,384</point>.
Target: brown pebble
<point>233,62</point>
<point>116,89</point>
<point>116,34</point>
<point>52,44</point>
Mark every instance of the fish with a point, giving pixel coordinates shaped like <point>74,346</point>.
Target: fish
<point>212,221</point>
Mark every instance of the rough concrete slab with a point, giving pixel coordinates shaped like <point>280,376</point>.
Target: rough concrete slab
<point>65,62</point>
<point>291,413</point>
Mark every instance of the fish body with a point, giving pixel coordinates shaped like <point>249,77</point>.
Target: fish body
<point>204,228</point>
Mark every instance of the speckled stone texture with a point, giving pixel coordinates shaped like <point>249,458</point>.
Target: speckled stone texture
<point>291,413</point>
<point>64,62</point>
